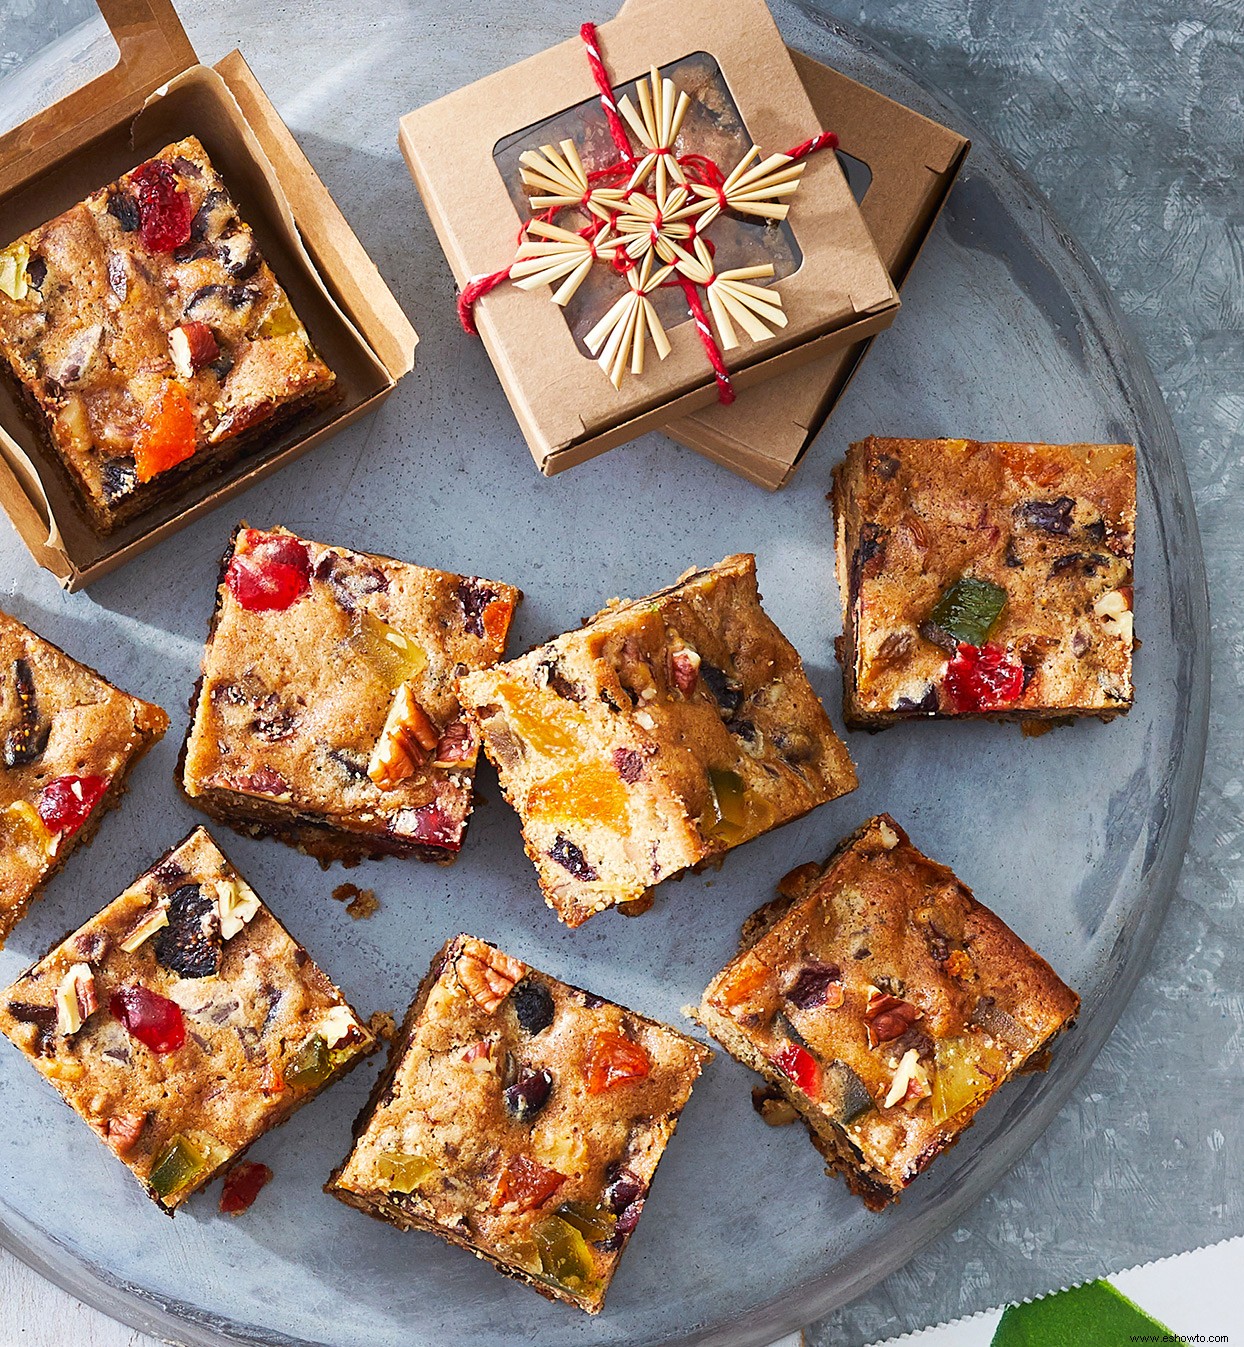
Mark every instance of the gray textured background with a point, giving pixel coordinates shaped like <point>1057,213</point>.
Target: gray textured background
<point>1130,116</point>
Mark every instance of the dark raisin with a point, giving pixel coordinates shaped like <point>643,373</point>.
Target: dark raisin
<point>1096,530</point>
<point>243,296</point>
<point>203,216</point>
<point>25,742</point>
<point>726,693</point>
<point>628,764</point>
<point>118,477</point>
<point>203,294</point>
<point>1089,562</point>
<point>1012,558</point>
<point>811,987</point>
<point>244,267</point>
<point>350,581</point>
<point>42,1017</point>
<point>608,700</point>
<point>474,596</point>
<point>1080,643</point>
<point>190,944</point>
<point>1050,516</point>
<point>221,366</point>
<point>1029,673</point>
<point>624,1194</point>
<point>745,729</point>
<point>928,703</point>
<point>533,1004</point>
<point>274,722</point>
<point>885,466</point>
<point>555,679</point>
<point>529,1094</point>
<point>36,272</point>
<point>124,210</point>
<point>187,166</point>
<point>569,857</point>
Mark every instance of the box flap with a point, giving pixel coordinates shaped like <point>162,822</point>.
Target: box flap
<point>154,48</point>
<point>333,246</point>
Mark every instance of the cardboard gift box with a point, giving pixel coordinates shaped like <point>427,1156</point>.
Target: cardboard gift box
<point>156,94</point>
<point>463,151</point>
<point>911,164</point>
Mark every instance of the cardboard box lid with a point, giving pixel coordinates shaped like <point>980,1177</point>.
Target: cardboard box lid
<point>559,395</point>
<point>153,48</point>
<point>914,162</point>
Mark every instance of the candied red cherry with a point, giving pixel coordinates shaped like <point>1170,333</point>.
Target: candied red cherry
<point>524,1185</point>
<point>982,678</point>
<point>269,572</point>
<point>164,207</point>
<point>799,1065</point>
<point>242,1187</point>
<point>66,802</point>
<point>151,1018</point>
<point>435,827</point>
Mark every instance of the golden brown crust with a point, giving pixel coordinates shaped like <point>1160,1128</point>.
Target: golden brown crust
<point>59,720</point>
<point>251,1000</point>
<point>661,734</point>
<point>1051,525</point>
<point>498,1067</point>
<point>89,335</point>
<point>293,702</point>
<point>887,981</point>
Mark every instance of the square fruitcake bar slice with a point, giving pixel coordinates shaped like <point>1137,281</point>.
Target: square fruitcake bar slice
<point>522,1119</point>
<point>983,579</point>
<point>885,1004</point>
<point>326,714</point>
<point>150,338</point>
<point>659,735</point>
<point>183,1022</point>
<point>68,741</point>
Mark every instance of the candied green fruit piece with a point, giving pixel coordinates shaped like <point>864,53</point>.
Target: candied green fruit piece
<point>393,655</point>
<point>312,1064</point>
<point>593,1222</point>
<point>564,1255</point>
<point>177,1166</point>
<point>403,1171</point>
<point>965,614</point>
<point>967,1068</point>
<point>729,806</point>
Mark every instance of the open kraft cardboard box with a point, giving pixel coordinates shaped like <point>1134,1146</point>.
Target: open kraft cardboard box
<point>156,94</point>
<point>565,405</point>
<point>913,164</point>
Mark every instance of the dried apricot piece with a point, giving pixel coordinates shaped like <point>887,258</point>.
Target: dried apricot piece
<point>524,1185</point>
<point>614,1060</point>
<point>168,433</point>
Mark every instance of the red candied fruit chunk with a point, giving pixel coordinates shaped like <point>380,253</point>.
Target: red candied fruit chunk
<point>165,210</point>
<point>981,678</point>
<point>168,434</point>
<point>66,802</point>
<point>151,1018</point>
<point>614,1060</point>
<point>435,827</point>
<point>799,1065</point>
<point>269,571</point>
<point>242,1187</point>
<point>525,1184</point>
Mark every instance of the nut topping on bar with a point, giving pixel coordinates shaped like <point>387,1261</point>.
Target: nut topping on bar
<point>487,973</point>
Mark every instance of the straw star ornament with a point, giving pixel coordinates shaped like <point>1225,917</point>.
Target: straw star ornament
<point>648,214</point>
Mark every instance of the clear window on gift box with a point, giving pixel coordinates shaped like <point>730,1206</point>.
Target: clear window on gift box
<point>712,127</point>
<point>57,46</point>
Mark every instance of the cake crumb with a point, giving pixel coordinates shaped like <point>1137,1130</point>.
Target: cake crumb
<point>383,1025</point>
<point>359,903</point>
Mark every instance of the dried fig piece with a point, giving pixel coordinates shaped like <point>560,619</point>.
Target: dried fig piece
<point>190,945</point>
<point>25,742</point>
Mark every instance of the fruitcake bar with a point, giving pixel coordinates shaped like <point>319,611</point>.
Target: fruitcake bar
<point>985,579</point>
<point>522,1119</point>
<point>885,1004</point>
<point>149,335</point>
<point>661,734</point>
<point>183,1022</point>
<point>68,740</point>
<point>326,713</point>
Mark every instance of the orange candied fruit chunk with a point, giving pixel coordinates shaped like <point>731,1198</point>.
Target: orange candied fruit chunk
<point>524,1185</point>
<point>743,983</point>
<point>590,794</point>
<point>615,1060</point>
<point>167,435</point>
<point>496,620</point>
<point>546,736</point>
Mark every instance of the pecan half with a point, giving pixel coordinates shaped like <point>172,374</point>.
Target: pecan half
<point>405,741</point>
<point>888,1018</point>
<point>488,975</point>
